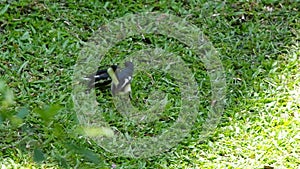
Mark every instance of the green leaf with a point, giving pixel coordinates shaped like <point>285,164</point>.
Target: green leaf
<point>87,154</point>
<point>38,155</point>
<point>47,114</point>
<point>62,161</point>
<point>8,98</point>
<point>4,9</point>
<point>25,36</point>
<point>15,121</point>
<point>98,131</point>
<point>22,113</point>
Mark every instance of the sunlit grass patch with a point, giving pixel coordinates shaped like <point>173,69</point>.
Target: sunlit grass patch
<point>258,43</point>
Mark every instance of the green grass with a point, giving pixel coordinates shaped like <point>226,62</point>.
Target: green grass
<point>258,43</point>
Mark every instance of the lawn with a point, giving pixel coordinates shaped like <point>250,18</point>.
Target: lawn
<point>257,44</point>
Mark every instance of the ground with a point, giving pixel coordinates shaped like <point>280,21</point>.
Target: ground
<point>257,43</point>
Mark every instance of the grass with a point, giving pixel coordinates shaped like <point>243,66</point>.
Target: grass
<point>258,43</point>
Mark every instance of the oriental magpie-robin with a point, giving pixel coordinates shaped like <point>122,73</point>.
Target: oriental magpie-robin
<point>121,79</point>
<point>100,79</point>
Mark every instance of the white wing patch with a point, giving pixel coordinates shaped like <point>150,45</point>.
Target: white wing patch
<point>126,81</point>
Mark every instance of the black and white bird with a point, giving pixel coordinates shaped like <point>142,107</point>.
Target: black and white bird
<point>100,79</point>
<point>121,79</point>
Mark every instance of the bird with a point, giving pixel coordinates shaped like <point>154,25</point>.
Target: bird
<point>121,79</point>
<point>100,79</point>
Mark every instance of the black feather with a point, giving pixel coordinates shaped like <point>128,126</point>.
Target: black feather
<point>100,79</point>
